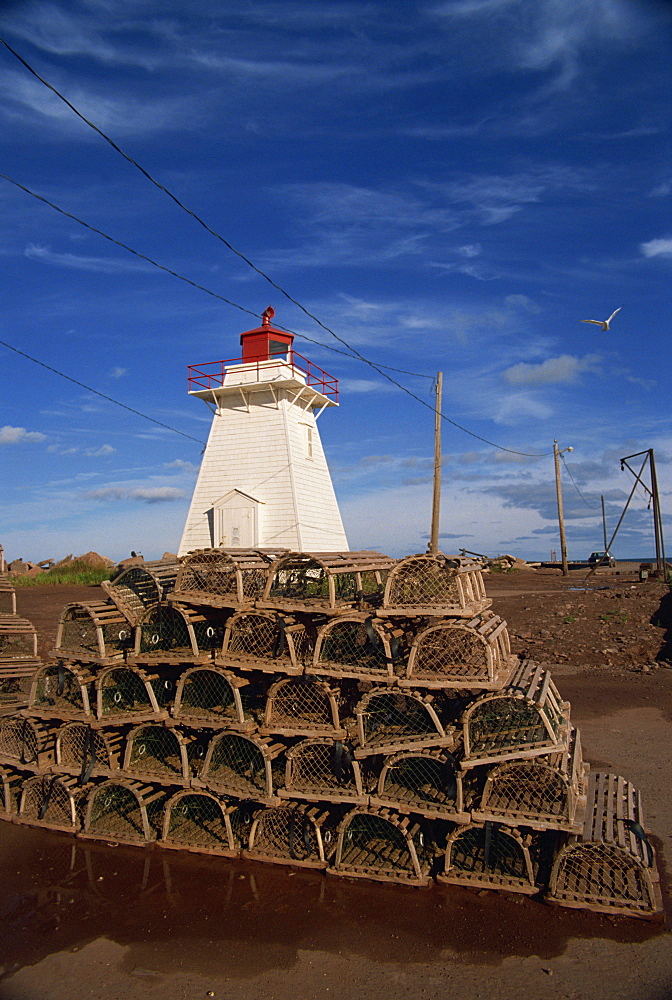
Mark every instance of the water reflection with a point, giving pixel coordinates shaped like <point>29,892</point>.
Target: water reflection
<point>183,912</point>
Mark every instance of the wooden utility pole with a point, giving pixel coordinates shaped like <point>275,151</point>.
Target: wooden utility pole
<point>604,524</point>
<point>561,517</point>
<point>436,498</point>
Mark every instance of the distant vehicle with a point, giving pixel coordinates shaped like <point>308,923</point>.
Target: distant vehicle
<point>601,559</point>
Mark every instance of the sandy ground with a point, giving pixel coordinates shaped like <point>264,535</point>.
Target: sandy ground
<point>82,919</point>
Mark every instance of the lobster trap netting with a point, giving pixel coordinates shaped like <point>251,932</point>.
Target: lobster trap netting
<point>383,845</point>
<point>301,706</point>
<point>164,630</point>
<point>322,769</point>
<point>422,781</point>
<point>140,587</point>
<point>86,751</point>
<point>125,811</point>
<point>15,688</point>
<point>209,696</point>
<point>124,692</point>
<point>157,754</point>
<point>459,654</point>
<point>7,598</point>
<point>241,766</point>
<point>26,741</point>
<point>198,821</point>
<point>292,834</point>
<point>492,856</point>
<point>52,801</point>
<point>449,584</point>
<point>222,579</point>
<point>266,641</point>
<point>61,690</point>
<point>11,783</point>
<point>530,791</point>
<point>604,877</point>
<point>94,631</point>
<point>349,647</point>
<point>327,581</point>
<point>391,719</point>
<point>18,639</point>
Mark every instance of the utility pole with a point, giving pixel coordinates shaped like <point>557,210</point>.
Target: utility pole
<point>561,518</point>
<point>436,498</point>
<point>604,524</point>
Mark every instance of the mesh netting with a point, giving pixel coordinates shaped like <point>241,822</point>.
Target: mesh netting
<point>80,631</point>
<point>306,580</point>
<point>236,765</point>
<point>422,581</point>
<point>116,812</point>
<point>7,601</point>
<point>390,718</point>
<point>16,642</point>
<point>48,801</point>
<point>300,705</point>
<point>14,691</point>
<point>19,740</point>
<point>217,575</point>
<point>527,790</point>
<point>419,780</point>
<point>326,767</point>
<point>253,636</point>
<point>163,630</point>
<point>196,820</point>
<point>488,852</point>
<point>285,832</point>
<point>155,752</point>
<point>206,695</point>
<point>351,647</point>
<point>501,724</point>
<point>10,791</point>
<point>79,746</point>
<point>59,689</point>
<point>604,874</point>
<point>122,691</point>
<point>141,587</point>
<point>373,844</point>
<point>452,652</point>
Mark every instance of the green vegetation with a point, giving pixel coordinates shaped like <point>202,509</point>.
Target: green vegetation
<point>76,572</point>
<point>616,617</point>
<point>568,619</point>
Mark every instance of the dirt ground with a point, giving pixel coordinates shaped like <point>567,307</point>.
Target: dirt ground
<point>84,919</point>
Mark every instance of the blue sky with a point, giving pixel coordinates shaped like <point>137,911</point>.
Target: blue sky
<point>449,186</point>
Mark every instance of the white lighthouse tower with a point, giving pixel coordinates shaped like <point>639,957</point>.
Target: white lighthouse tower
<point>264,480</point>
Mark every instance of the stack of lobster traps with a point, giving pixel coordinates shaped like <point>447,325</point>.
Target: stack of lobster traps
<point>18,649</point>
<point>340,711</point>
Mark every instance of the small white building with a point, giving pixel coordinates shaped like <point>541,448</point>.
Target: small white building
<point>264,480</point>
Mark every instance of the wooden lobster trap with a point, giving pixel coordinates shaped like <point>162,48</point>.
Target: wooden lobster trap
<point>302,706</point>
<point>126,694</point>
<point>540,792</point>
<point>364,648</point>
<point>15,682</point>
<point>323,769</point>
<point>53,801</point>
<point>124,811</point>
<point>297,834</point>
<point>141,587</point>
<point>157,753</point>
<point>527,718</point>
<point>435,584</point>
<point>176,634</point>
<point>87,752</point>
<point>27,743</point>
<point>92,632</point>
<point>11,782</point>
<point>7,597</point>
<point>211,697</point>
<point>327,582</point>
<point>246,767</point>
<point>268,641</point>
<point>224,578</point>
<point>493,856</point>
<point>18,641</point>
<point>62,691</point>
<point>199,821</point>
<point>460,653</point>
<point>388,721</point>
<point>427,782</point>
<point>381,845</point>
<point>610,867</point>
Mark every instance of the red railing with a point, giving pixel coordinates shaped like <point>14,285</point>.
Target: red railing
<point>212,373</point>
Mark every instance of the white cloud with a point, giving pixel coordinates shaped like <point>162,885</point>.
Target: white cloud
<point>118,373</point>
<point>519,409</point>
<point>565,368</point>
<point>179,463</point>
<point>657,248</point>
<point>105,449</point>
<point>149,494</point>
<point>18,435</point>
<point>102,265</point>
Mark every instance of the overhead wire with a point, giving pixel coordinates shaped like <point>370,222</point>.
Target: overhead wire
<point>222,298</point>
<point>589,505</point>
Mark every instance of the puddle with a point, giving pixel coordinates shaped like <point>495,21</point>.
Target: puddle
<point>178,912</point>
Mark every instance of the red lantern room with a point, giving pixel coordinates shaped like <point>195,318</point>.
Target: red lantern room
<point>265,342</point>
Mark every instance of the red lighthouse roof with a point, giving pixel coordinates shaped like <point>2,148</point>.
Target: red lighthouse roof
<point>265,342</point>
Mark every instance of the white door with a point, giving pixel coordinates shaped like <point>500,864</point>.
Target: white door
<point>235,527</point>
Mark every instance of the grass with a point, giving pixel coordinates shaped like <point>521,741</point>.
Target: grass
<point>76,572</point>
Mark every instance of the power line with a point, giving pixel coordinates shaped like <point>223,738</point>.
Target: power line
<point>102,394</point>
<point>216,295</point>
<point>249,262</point>
<point>589,505</point>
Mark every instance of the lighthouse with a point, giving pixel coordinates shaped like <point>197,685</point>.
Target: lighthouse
<point>264,480</point>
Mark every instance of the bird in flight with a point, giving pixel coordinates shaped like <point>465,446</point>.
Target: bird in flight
<point>603,323</point>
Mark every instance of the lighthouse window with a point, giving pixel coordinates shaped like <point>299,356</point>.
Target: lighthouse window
<point>276,347</point>
<point>309,442</point>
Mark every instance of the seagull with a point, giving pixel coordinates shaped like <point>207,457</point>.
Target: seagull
<point>604,323</point>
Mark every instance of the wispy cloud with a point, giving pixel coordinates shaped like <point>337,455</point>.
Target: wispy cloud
<point>151,494</point>
<point>102,265</point>
<point>105,449</point>
<point>565,368</point>
<point>19,435</point>
<point>657,248</point>
<point>118,373</point>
